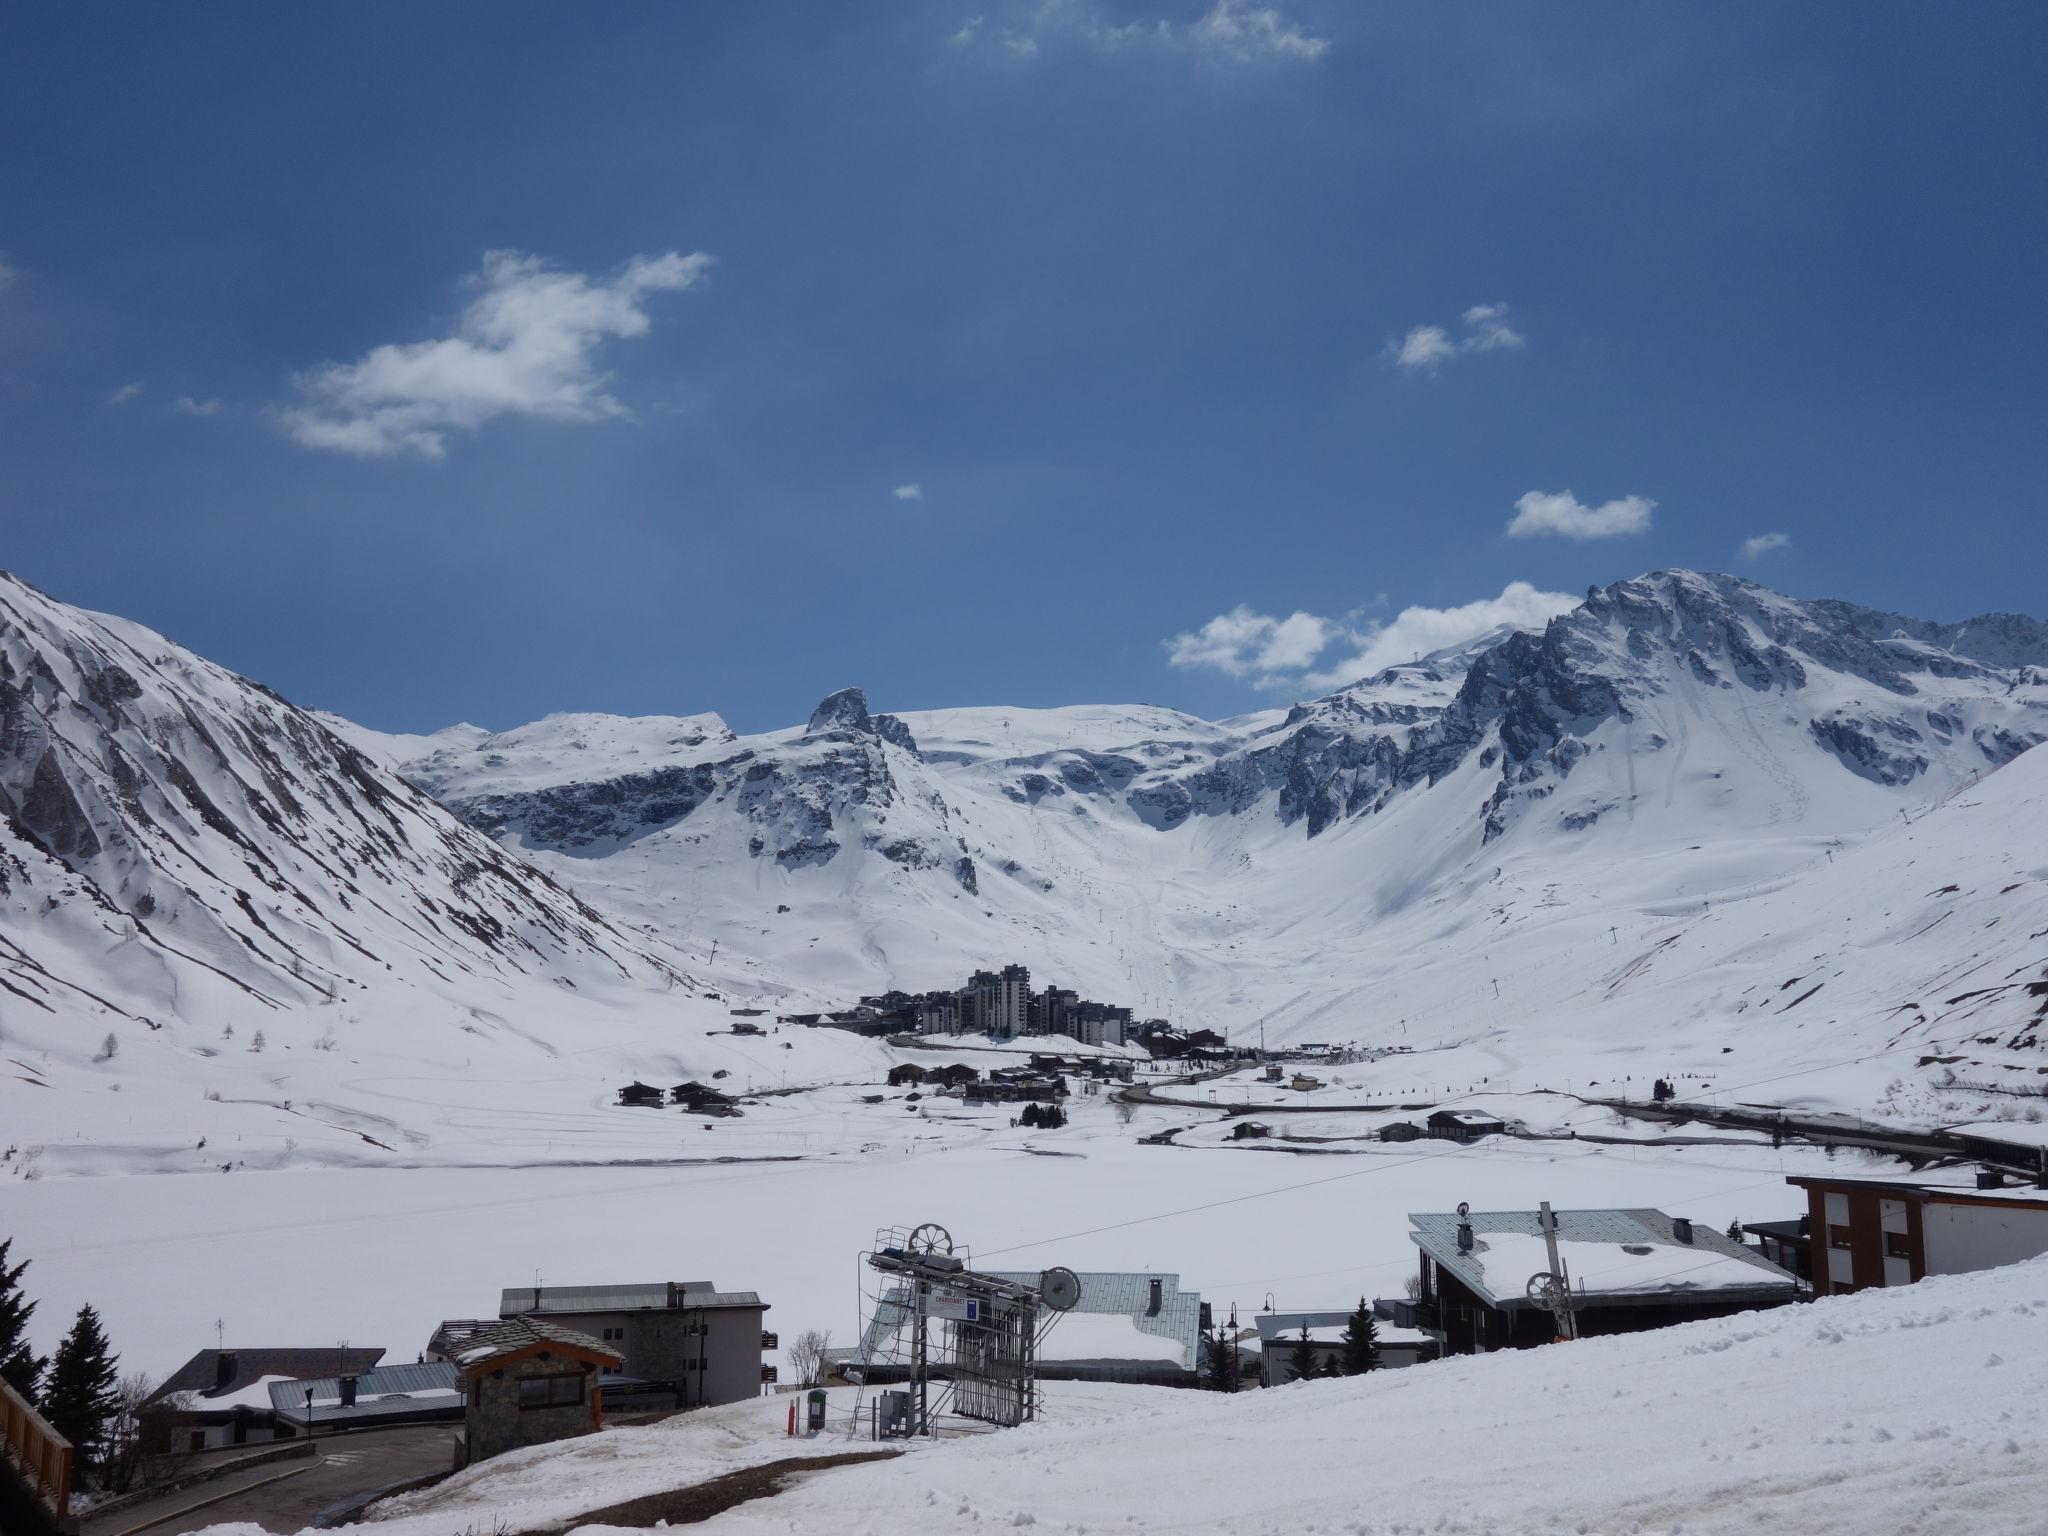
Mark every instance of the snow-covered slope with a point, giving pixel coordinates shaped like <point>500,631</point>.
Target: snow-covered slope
<point>217,908</point>
<point>1536,838</point>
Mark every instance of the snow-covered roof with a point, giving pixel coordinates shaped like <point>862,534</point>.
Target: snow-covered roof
<point>1129,1293</point>
<point>1616,1257</point>
<point>1945,1184</point>
<point>388,1391</point>
<point>1101,1336</point>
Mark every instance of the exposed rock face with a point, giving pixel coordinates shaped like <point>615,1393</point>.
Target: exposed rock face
<point>213,834</point>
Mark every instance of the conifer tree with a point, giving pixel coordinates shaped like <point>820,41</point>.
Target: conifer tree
<point>1361,1351</point>
<point>1221,1365</point>
<point>1301,1359</point>
<point>79,1399</point>
<point>1334,1367</point>
<point>20,1367</point>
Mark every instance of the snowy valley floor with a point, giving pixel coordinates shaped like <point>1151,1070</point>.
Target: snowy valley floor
<point>380,1256</point>
<point>1910,1412</point>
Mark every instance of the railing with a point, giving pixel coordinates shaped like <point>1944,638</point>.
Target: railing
<point>35,1452</point>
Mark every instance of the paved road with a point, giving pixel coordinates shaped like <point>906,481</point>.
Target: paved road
<point>284,1496</point>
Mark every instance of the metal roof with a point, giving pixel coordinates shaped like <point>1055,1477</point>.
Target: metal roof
<point>1436,1233</point>
<point>384,1393</point>
<point>650,1296</point>
<point>201,1374</point>
<point>1129,1293</point>
<point>1272,1325</point>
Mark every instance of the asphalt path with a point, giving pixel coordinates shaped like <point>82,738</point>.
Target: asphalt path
<point>284,1496</point>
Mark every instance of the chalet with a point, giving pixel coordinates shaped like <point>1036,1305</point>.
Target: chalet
<point>529,1381</point>
<point>1016,1088</point>
<point>744,1028</point>
<point>1464,1126</point>
<point>685,1338</point>
<point>1272,1072</point>
<point>1885,1232</point>
<point>1246,1130</point>
<point>1629,1270</point>
<point>702,1099</point>
<point>640,1095</point>
<point>746,1013</point>
<point>1303,1083</point>
<point>227,1391</point>
<point>952,1075</point>
<point>1401,1130</point>
<point>908,1075</point>
<point>1787,1244</point>
<point>1280,1333</point>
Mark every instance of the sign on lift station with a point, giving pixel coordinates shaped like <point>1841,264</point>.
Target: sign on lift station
<point>952,1305</point>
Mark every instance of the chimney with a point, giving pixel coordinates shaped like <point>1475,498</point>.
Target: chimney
<point>1152,1305</point>
<point>1990,1178</point>
<point>348,1391</point>
<point>227,1365</point>
<point>1464,1237</point>
<point>1681,1228</point>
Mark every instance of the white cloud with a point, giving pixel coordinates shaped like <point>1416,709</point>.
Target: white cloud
<point>125,393</point>
<point>1230,32</point>
<point>1242,643</point>
<point>1427,348</point>
<point>191,407</point>
<point>1307,652</point>
<point>1758,545</point>
<point>526,344</point>
<point>910,491</point>
<point>1560,512</point>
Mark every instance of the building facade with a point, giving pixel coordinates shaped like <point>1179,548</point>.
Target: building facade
<point>528,1382</point>
<point>1870,1232</point>
<point>703,1344</point>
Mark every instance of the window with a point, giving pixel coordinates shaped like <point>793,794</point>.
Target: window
<point>1838,1237</point>
<point>550,1391</point>
<point>1897,1246</point>
<point>614,1335</point>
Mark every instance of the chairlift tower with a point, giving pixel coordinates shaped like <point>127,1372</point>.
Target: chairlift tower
<point>980,1361</point>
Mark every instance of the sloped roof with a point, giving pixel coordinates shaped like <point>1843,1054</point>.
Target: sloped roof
<point>522,1333</point>
<point>1615,1257</point>
<point>201,1374</point>
<point>390,1391</point>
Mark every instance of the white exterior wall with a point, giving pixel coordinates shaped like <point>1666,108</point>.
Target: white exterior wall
<point>1960,1238</point>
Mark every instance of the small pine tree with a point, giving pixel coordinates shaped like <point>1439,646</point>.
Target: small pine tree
<point>79,1399</point>
<point>20,1367</point>
<point>1735,1232</point>
<point>1301,1359</point>
<point>1221,1367</point>
<point>1361,1351</point>
<point>1334,1367</point>
<point>1031,1116</point>
<point>259,1042</point>
<point>109,1048</point>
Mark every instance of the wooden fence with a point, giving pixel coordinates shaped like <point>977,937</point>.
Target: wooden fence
<point>36,1454</point>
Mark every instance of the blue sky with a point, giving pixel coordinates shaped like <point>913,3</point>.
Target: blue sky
<point>474,362</point>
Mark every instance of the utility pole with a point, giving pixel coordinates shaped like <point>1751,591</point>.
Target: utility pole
<point>1562,1292</point>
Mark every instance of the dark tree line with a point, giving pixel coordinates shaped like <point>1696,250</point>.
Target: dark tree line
<point>77,1389</point>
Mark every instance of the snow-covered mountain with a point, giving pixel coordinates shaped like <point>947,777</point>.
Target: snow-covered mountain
<point>1675,741</point>
<point>1693,825</point>
<point>215,906</point>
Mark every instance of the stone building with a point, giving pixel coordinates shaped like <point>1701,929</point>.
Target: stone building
<point>529,1381</point>
<point>686,1337</point>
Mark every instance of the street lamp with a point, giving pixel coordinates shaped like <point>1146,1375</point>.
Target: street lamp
<point>309,1413</point>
